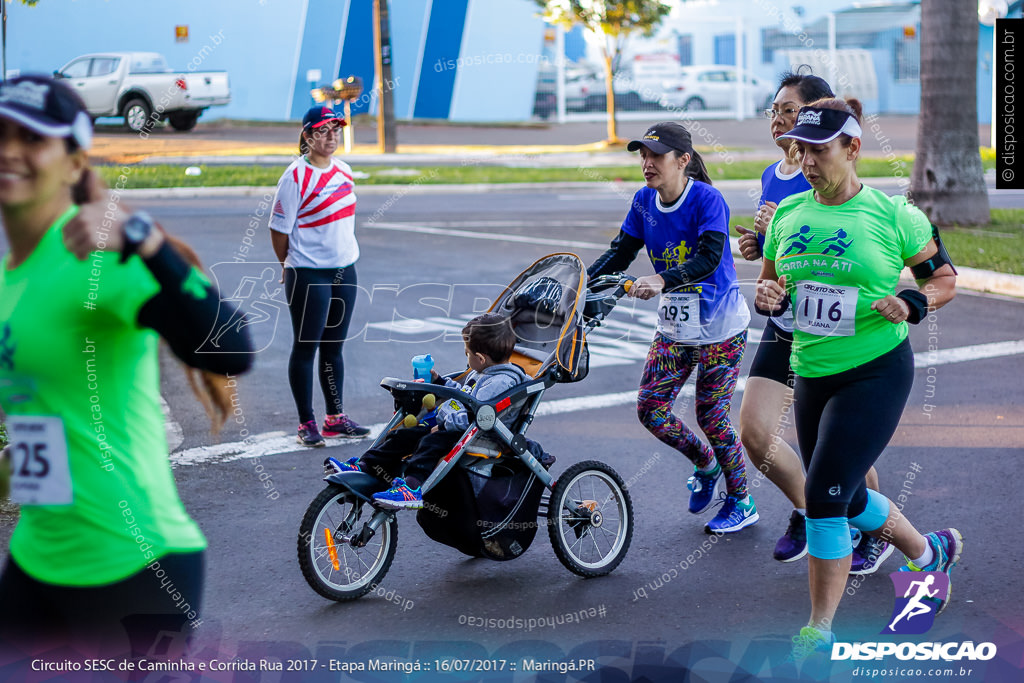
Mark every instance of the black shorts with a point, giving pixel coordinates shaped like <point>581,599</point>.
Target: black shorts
<point>771,360</point>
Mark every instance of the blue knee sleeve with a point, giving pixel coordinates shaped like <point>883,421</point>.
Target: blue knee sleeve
<point>875,513</point>
<point>828,538</point>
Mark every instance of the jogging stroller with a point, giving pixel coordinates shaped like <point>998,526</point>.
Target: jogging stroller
<point>488,496</point>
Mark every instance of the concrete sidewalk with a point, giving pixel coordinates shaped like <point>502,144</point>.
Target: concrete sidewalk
<point>749,138</point>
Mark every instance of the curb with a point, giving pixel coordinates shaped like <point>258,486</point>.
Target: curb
<point>445,188</point>
<point>984,281</point>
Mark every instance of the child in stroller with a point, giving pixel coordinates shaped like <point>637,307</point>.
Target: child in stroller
<point>489,341</point>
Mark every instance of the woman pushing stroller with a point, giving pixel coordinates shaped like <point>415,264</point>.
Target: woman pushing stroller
<point>683,223</point>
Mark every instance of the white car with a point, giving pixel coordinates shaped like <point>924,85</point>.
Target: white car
<point>714,87</point>
<point>141,87</point>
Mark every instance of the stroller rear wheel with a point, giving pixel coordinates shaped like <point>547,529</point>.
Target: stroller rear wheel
<point>590,519</point>
<point>331,564</point>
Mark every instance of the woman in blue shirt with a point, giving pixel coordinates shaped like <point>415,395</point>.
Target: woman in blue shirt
<point>683,223</point>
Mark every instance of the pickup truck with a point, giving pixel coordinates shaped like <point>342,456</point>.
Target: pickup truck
<point>141,87</point>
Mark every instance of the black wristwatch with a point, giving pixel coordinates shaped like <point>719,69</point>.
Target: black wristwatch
<point>136,229</point>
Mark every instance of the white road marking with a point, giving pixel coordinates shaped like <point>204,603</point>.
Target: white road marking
<point>271,443</point>
<point>173,431</point>
<point>962,354</point>
<point>496,237</point>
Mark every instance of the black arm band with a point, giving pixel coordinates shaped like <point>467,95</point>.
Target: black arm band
<point>620,255</point>
<point>923,271</point>
<point>710,247</point>
<point>773,314</point>
<point>188,313</point>
<point>917,302</point>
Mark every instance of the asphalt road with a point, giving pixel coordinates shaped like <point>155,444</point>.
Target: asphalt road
<point>435,258</point>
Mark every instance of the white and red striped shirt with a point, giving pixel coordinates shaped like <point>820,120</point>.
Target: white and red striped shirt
<point>316,208</point>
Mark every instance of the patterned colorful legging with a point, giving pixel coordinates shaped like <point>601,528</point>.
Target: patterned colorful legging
<point>669,364</point>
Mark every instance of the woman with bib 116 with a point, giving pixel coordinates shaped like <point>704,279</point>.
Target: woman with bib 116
<point>834,255</point>
<point>683,224</point>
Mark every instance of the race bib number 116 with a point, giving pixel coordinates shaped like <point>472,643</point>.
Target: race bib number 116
<point>826,310</point>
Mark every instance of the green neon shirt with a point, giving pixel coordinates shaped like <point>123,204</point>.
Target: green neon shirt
<point>72,352</point>
<point>835,255</point>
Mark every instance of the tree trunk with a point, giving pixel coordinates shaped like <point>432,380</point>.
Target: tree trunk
<point>387,135</point>
<point>948,182</point>
<point>609,79</point>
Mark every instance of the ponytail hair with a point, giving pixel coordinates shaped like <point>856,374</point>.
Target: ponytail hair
<point>696,168</point>
<point>303,143</point>
<point>209,388</point>
<point>850,105</point>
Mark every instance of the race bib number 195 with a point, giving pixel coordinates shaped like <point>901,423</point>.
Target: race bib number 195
<point>826,310</point>
<point>679,316</point>
<point>40,473</point>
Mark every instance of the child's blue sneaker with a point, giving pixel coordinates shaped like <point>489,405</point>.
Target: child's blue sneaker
<point>703,487</point>
<point>399,497</point>
<point>335,466</point>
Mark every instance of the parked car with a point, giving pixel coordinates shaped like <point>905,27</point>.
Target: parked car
<point>140,87</point>
<point>589,93</point>
<point>714,87</point>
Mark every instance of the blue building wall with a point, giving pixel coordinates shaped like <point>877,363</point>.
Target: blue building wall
<point>498,63</point>
<point>322,31</point>
<point>258,47</point>
<point>267,48</point>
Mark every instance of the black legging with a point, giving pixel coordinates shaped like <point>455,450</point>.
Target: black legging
<point>320,301</point>
<point>159,601</point>
<point>843,424</point>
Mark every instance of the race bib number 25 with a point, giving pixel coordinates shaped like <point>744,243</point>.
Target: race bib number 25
<point>826,310</point>
<point>40,473</point>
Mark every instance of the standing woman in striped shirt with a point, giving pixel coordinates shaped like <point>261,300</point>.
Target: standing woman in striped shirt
<point>312,228</point>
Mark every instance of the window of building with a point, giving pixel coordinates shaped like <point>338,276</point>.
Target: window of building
<point>685,44</point>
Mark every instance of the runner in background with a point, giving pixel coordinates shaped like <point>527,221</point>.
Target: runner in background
<point>769,391</point>
<point>312,229</point>
<point>683,223</point>
<point>86,293</point>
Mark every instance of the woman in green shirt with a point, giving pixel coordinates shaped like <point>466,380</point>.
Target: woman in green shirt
<point>834,254</point>
<point>103,542</point>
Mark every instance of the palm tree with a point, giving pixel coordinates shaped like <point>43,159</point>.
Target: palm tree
<point>948,182</point>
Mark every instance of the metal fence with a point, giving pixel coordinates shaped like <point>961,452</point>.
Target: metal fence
<point>872,53</point>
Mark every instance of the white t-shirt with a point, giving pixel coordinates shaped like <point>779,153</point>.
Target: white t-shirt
<point>316,208</point>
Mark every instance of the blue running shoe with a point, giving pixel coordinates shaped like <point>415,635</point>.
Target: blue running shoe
<point>811,641</point>
<point>733,516</point>
<point>335,466</point>
<point>869,555</point>
<point>399,497</point>
<point>947,546</point>
<point>703,489</point>
<point>793,544</point>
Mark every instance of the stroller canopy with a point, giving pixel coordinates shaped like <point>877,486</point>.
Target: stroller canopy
<point>545,305</point>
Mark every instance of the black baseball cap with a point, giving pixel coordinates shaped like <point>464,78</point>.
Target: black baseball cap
<point>321,115</point>
<point>47,107</point>
<point>818,126</point>
<point>664,137</point>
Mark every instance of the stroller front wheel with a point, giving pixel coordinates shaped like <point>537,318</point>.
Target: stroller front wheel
<point>590,519</point>
<point>333,566</point>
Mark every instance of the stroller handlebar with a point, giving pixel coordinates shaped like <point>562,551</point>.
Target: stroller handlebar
<point>602,294</point>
